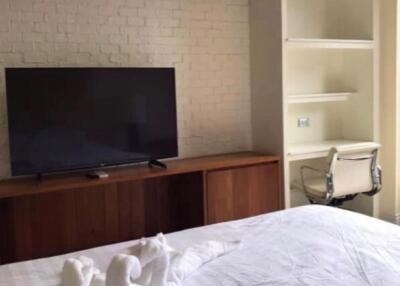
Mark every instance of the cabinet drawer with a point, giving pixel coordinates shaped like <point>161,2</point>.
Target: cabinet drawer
<point>242,192</point>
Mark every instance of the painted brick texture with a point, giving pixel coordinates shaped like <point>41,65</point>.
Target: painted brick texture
<point>207,41</point>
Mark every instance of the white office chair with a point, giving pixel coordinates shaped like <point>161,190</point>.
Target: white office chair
<point>349,172</point>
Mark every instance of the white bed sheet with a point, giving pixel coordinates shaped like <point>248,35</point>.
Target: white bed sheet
<point>312,245</point>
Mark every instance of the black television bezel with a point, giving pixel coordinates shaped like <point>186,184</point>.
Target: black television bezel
<point>94,166</point>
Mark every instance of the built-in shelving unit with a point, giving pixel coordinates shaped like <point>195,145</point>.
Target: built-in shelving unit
<point>314,59</point>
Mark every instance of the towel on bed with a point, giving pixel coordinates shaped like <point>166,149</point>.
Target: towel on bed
<point>98,280</point>
<point>156,264</point>
<point>164,266</point>
<point>123,270</point>
<point>154,257</point>
<point>78,271</point>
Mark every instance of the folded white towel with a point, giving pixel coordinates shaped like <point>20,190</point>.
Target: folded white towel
<point>123,270</point>
<point>78,272</point>
<point>160,268</point>
<point>154,259</point>
<point>194,257</point>
<point>157,264</point>
<point>150,248</point>
<point>164,266</point>
<point>98,280</point>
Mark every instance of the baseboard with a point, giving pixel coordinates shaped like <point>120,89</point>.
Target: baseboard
<point>390,218</point>
<point>397,219</point>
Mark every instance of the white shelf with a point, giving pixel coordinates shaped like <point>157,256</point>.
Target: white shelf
<point>307,43</point>
<point>319,97</point>
<point>311,150</point>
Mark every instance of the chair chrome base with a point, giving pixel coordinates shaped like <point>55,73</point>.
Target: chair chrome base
<point>336,202</point>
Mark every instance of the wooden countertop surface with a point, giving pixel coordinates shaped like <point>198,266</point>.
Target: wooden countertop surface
<point>29,186</point>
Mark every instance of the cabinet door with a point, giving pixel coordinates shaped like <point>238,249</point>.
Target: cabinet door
<point>242,192</point>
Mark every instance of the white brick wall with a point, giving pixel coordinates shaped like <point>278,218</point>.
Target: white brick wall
<point>207,41</point>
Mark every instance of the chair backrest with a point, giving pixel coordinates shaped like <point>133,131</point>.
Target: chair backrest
<point>352,169</point>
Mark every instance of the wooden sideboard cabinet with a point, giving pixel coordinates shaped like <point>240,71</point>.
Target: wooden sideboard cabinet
<point>242,192</point>
<point>69,212</point>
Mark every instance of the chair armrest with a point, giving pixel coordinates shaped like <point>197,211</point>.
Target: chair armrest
<point>315,170</point>
<point>310,169</point>
<point>326,174</point>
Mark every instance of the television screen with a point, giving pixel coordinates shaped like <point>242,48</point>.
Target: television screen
<point>70,118</point>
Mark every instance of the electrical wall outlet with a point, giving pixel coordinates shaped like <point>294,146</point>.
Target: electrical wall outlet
<point>303,122</point>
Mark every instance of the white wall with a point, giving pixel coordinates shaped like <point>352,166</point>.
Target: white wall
<point>206,40</point>
<point>390,111</point>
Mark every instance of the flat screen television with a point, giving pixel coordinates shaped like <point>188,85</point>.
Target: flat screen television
<point>63,119</point>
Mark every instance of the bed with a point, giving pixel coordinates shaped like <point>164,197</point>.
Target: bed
<point>310,245</point>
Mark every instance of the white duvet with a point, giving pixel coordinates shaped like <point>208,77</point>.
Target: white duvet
<point>312,245</point>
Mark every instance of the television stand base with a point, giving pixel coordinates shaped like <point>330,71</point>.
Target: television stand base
<point>97,174</point>
<point>156,164</point>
